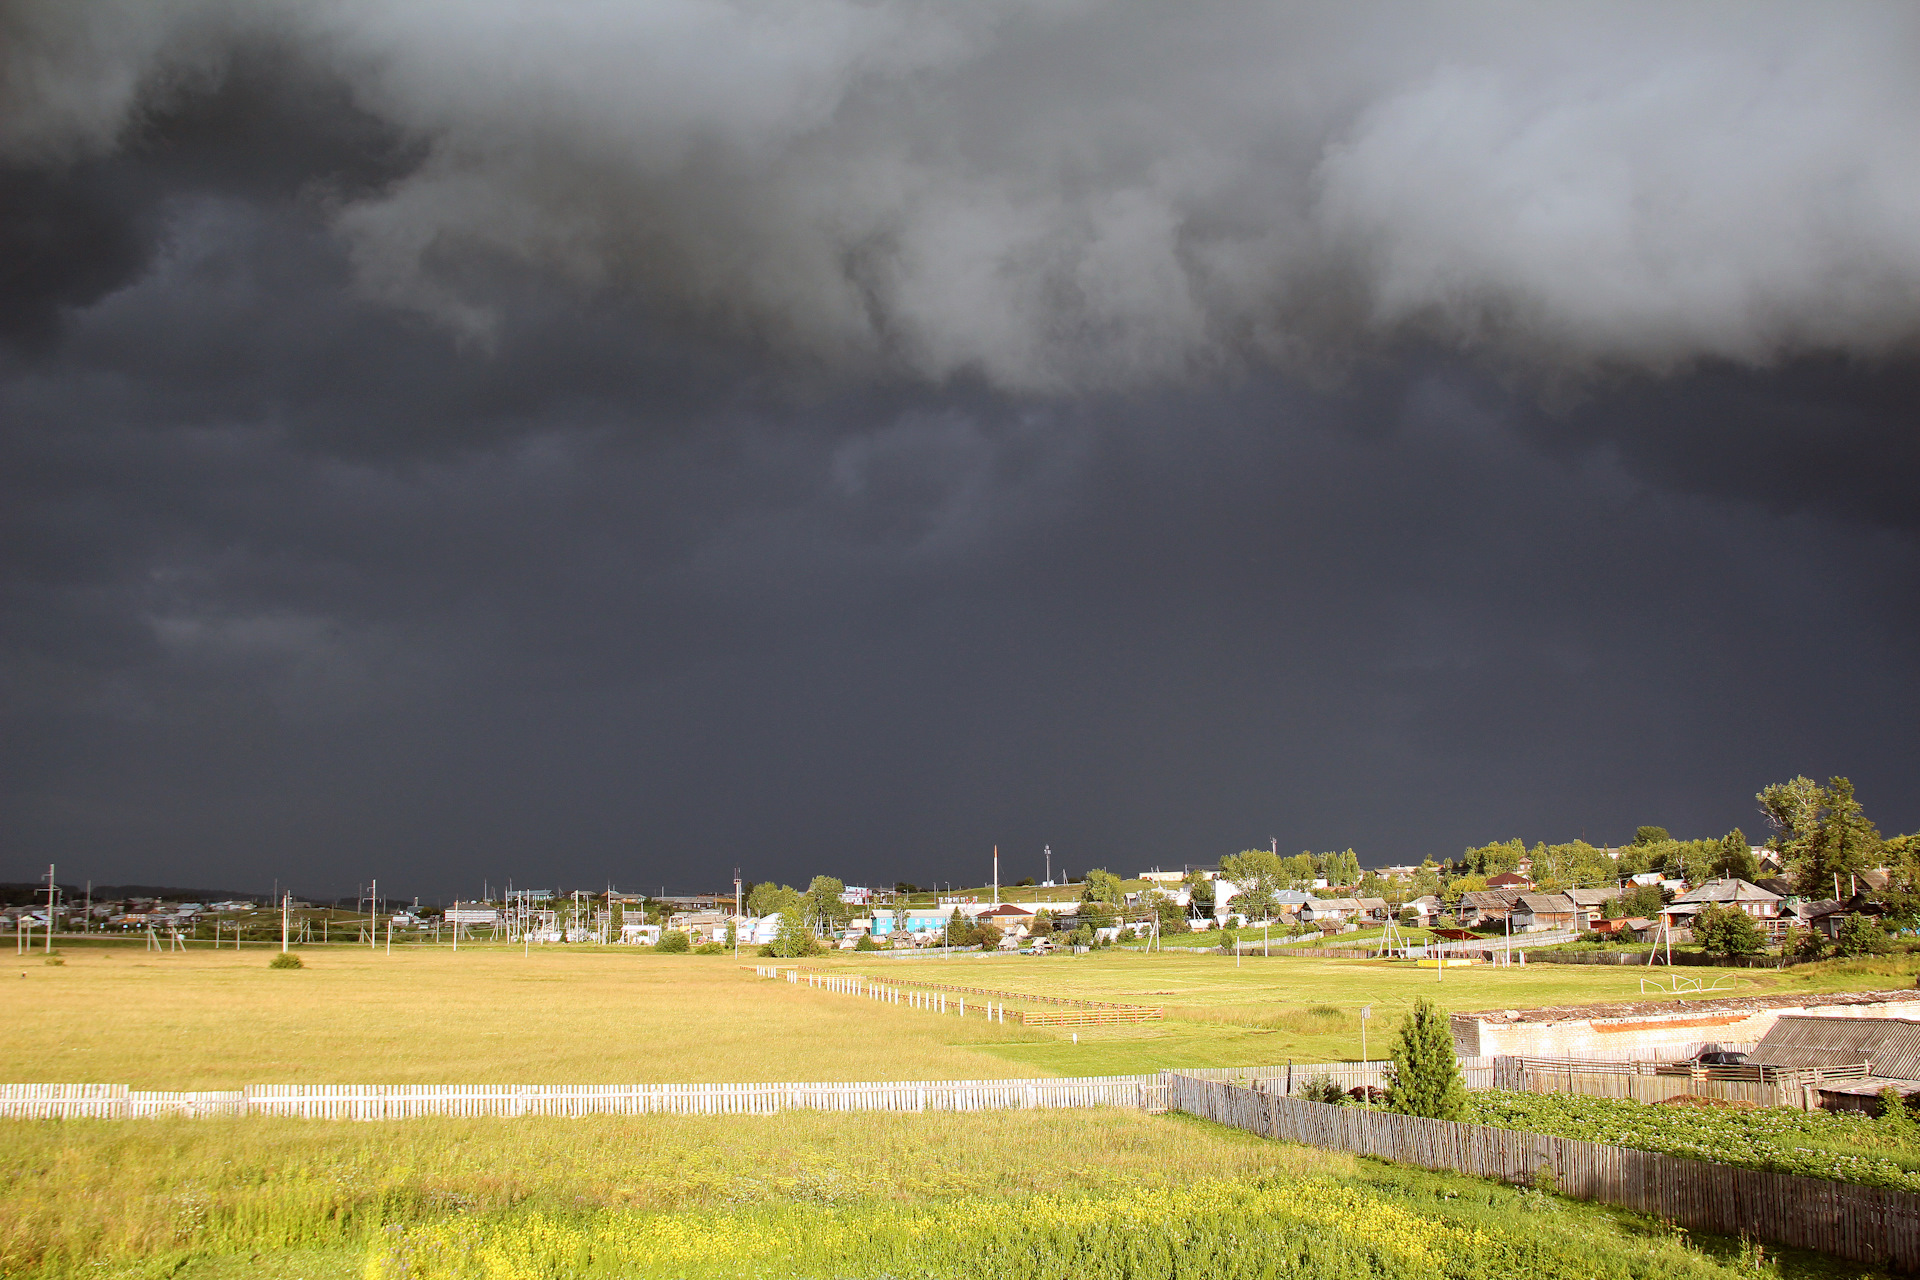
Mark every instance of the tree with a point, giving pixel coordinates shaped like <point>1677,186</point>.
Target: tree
<point>1642,901</point>
<point>1860,935</point>
<point>1735,860</point>
<point>823,907</point>
<point>1492,859</point>
<point>793,938</point>
<point>1103,886</point>
<point>1299,872</point>
<point>1426,879</point>
<point>1846,841</point>
<point>1341,868</point>
<point>1425,1078</point>
<point>1042,925</point>
<point>1902,894</point>
<point>768,898</point>
<point>673,942</point>
<point>1821,832</point>
<point>1793,811</point>
<point>1727,931</point>
<point>1651,835</point>
<point>1257,875</point>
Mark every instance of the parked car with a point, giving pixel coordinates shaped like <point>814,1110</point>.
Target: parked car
<point>1720,1058</point>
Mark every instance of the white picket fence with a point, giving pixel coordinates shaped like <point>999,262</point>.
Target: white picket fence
<point>405,1101</point>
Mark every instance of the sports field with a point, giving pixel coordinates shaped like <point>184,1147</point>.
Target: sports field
<point>841,1194</point>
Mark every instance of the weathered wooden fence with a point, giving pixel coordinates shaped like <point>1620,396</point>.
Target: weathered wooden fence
<point>1864,1224</point>
<point>1075,1012</point>
<point>1288,1079</point>
<point>408,1101</point>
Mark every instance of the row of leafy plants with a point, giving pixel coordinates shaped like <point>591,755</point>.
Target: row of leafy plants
<point>1844,1146</point>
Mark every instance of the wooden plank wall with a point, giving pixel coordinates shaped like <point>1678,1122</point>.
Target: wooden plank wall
<point>1863,1224</point>
<point>405,1101</point>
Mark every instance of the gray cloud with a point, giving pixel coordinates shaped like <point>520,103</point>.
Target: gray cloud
<point>1067,195</point>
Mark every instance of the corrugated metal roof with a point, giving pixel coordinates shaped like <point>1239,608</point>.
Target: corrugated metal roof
<point>1892,1045</point>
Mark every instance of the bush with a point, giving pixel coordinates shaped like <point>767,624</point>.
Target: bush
<point>710,949</point>
<point>866,943</point>
<point>673,942</point>
<point>1321,1087</point>
<point>1728,931</point>
<point>1860,936</point>
<point>1807,944</point>
<point>286,960</point>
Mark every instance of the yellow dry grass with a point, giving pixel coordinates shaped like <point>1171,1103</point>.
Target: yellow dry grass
<point>576,1015</point>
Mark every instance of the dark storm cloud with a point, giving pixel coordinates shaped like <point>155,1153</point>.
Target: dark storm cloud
<point>1064,195</point>
<point>631,442</point>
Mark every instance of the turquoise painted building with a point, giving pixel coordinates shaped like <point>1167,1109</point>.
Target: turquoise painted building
<point>912,919</point>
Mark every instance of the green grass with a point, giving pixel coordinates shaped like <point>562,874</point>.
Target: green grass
<point>800,1194</point>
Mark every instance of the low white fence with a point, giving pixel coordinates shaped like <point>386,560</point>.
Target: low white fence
<point>408,1101</point>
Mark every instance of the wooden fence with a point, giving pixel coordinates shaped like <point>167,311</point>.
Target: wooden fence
<point>1658,1081</point>
<point>408,1101</point>
<point>933,995</point>
<point>1864,1224</point>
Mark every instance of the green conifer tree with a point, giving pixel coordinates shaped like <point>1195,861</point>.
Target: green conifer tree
<point>1426,1077</point>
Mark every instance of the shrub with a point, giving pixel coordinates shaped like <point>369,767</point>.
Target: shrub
<point>1807,944</point>
<point>53,960</point>
<point>1425,1077</point>
<point>866,943</point>
<point>710,949</point>
<point>673,942</point>
<point>286,960</point>
<point>1860,936</point>
<point>1728,931</point>
<point>1321,1087</point>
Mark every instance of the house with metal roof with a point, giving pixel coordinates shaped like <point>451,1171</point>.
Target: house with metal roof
<point>1487,906</point>
<point>1887,1048</point>
<point>1538,912</point>
<point>1750,898</point>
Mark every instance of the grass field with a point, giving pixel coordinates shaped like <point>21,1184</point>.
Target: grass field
<point>200,1200</point>
<point>219,1019</point>
<point>211,1199</point>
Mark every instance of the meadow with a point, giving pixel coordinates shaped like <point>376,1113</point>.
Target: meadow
<point>1097,1193</point>
<point>208,1019</point>
<point>860,1194</point>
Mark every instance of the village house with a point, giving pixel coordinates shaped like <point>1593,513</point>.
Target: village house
<point>1481,907</point>
<point>1544,912</point>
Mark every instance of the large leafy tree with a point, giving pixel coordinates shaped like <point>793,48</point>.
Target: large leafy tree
<point>823,907</point>
<point>768,898</point>
<point>1258,875</point>
<point>1103,886</point>
<point>1425,1076</point>
<point>1822,832</point>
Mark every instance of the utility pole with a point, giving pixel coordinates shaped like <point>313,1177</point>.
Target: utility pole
<point>50,893</point>
<point>285,899</point>
<point>1048,849</point>
<point>373,915</point>
<point>996,876</point>
<point>86,917</point>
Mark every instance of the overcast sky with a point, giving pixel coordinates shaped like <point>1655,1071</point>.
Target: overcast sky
<point>615,442</point>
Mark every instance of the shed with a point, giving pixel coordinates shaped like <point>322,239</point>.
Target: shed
<point>1891,1046</point>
